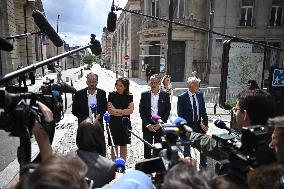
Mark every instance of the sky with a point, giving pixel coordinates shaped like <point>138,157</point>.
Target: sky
<point>79,18</point>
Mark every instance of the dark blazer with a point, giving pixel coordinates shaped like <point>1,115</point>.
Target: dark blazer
<point>80,107</point>
<point>164,108</point>
<point>184,109</point>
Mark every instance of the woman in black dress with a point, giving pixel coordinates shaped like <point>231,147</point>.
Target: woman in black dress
<point>120,104</point>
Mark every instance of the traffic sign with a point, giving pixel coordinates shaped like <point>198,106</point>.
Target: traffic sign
<point>126,57</point>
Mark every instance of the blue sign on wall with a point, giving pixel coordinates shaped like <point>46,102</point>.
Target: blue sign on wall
<point>278,78</point>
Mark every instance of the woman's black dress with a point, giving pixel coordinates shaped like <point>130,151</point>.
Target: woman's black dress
<point>119,133</point>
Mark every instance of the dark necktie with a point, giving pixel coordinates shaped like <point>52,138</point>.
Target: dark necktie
<point>195,116</point>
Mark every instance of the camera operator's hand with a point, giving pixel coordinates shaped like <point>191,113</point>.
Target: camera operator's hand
<point>48,115</point>
<point>151,128</point>
<point>203,127</point>
<point>190,161</point>
<point>41,135</point>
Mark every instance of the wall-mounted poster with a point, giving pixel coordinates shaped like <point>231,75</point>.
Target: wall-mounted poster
<point>245,63</point>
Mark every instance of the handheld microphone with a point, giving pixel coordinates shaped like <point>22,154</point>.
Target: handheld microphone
<point>111,20</point>
<point>180,123</point>
<point>107,117</point>
<point>94,108</point>
<point>120,164</point>
<point>5,45</point>
<point>46,28</point>
<point>222,125</point>
<point>157,119</point>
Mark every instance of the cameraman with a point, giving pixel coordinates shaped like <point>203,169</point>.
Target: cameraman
<point>41,135</point>
<point>253,107</point>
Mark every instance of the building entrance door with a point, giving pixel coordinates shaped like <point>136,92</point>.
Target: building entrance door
<point>176,67</point>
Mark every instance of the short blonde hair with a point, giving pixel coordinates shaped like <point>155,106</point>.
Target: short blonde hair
<point>191,80</point>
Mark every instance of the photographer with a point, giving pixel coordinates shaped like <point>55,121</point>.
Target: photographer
<point>253,107</point>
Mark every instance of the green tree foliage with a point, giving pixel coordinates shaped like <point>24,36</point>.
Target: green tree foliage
<point>89,59</point>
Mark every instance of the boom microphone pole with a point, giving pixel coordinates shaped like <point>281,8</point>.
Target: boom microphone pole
<point>32,67</point>
<point>126,124</point>
<point>119,162</point>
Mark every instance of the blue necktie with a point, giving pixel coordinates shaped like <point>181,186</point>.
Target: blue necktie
<point>195,116</point>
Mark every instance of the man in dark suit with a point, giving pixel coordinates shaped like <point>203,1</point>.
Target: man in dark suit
<point>87,97</point>
<point>191,107</point>
<point>153,102</point>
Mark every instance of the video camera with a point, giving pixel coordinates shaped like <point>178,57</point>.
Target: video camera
<point>246,153</point>
<point>19,110</point>
<point>166,153</point>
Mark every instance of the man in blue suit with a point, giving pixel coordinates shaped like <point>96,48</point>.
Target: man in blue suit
<point>191,107</point>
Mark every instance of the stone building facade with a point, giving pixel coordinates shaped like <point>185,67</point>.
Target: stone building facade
<point>194,49</point>
<point>258,20</point>
<point>15,19</point>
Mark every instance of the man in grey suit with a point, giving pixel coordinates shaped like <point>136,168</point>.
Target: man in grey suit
<point>153,102</point>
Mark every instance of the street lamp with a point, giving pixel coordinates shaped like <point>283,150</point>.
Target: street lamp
<point>57,32</point>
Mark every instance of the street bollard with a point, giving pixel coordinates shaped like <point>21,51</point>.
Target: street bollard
<point>215,109</point>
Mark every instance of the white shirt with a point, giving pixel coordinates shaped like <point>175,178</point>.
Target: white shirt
<point>154,103</point>
<point>197,105</point>
<point>92,99</point>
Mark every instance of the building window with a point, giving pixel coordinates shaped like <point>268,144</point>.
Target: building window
<point>276,17</point>
<point>246,13</point>
<point>179,9</point>
<point>155,8</point>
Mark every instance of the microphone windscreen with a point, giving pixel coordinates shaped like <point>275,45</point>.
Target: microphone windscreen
<point>133,179</point>
<point>96,47</point>
<point>46,28</point>
<point>177,120</point>
<point>111,21</point>
<point>220,124</point>
<point>155,118</point>
<point>66,88</point>
<point>5,45</point>
<point>107,117</point>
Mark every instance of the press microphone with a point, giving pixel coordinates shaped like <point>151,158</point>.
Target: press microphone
<point>222,125</point>
<point>157,119</point>
<point>107,117</point>
<point>66,88</point>
<point>120,164</point>
<point>180,123</point>
<point>96,47</point>
<point>46,28</point>
<point>5,45</point>
<point>111,20</point>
